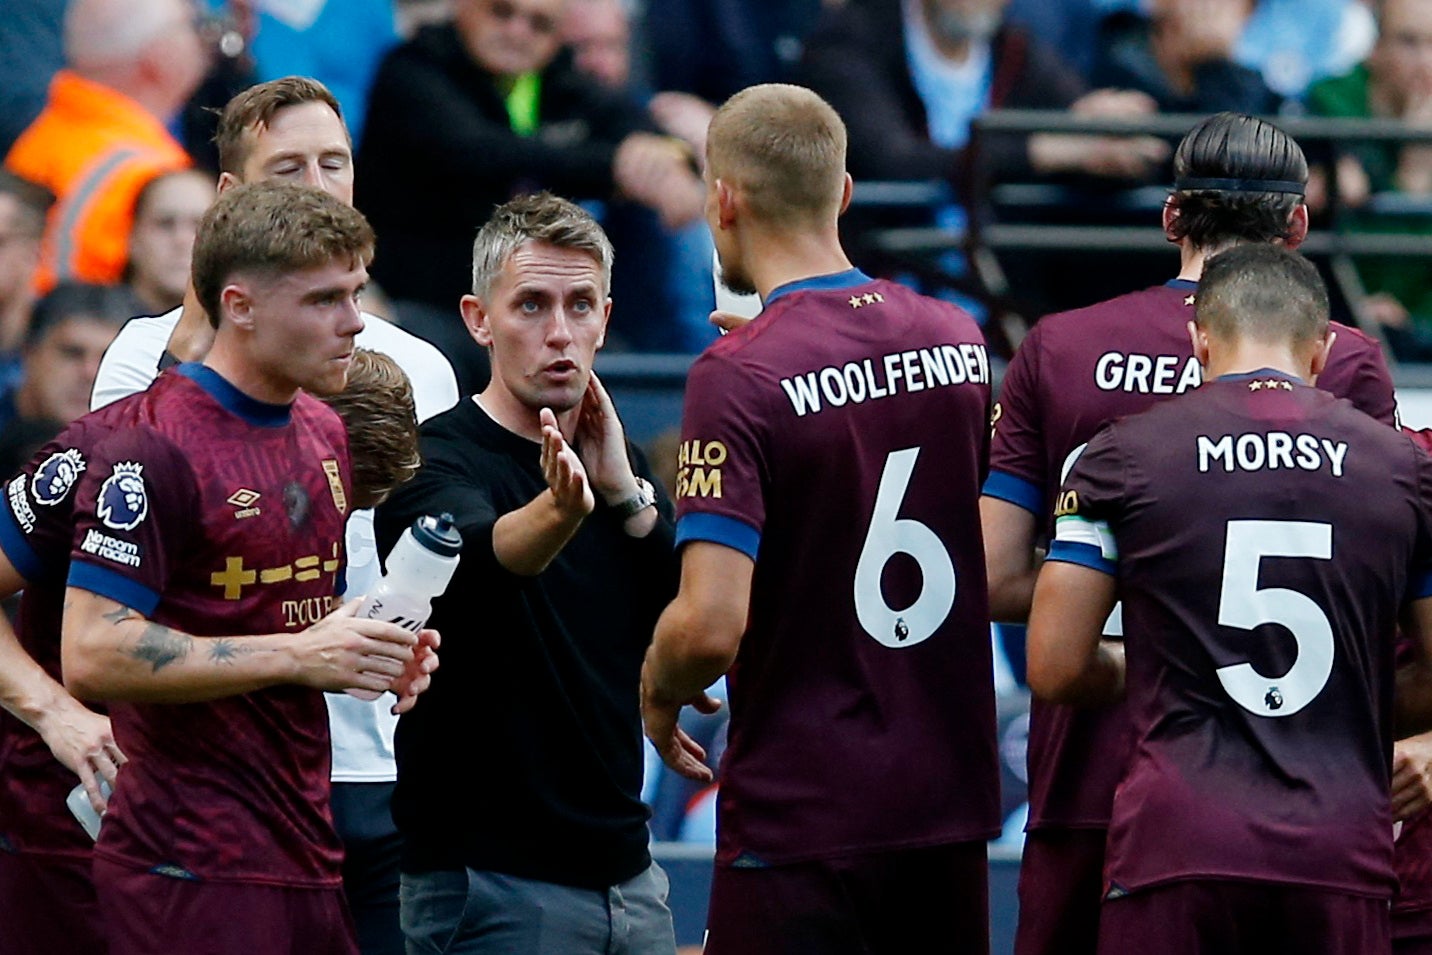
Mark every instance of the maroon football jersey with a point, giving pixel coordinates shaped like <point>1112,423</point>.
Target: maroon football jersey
<point>1074,372</point>
<point>220,516</point>
<point>36,535</point>
<point>839,440</point>
<point>1265,536</point>
<point>1412,849</point>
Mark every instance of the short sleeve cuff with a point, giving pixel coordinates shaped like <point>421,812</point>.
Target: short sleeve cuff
<point>1086,555</point>
<point>117,587</point>
<point>719,529</point>
<point>18,549</point>
<point>1017,491</point>
<point>1422,585</point>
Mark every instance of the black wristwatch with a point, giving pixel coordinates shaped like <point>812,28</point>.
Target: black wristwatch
<point>644,497</point>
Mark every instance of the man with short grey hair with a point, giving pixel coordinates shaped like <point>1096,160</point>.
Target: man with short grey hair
<point>567,560</point>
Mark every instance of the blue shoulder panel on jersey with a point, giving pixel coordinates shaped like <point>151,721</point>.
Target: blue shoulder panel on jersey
<point>117,587</point>
<point>1086,555</point>
<point>259,413</point>
<point>719,529</point>
<point>1015,490</point>
<point>1422,586</point>
<point>847,279</point>
<point>18,549</point>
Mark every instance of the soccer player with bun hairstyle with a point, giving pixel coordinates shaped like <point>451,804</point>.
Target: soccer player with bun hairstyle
<point>1256,650</point>
<point>848,420</point>
<point>216,515</point>
<point>1238,180</point>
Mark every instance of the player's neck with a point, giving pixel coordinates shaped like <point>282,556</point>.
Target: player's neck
<point>193,336</point>
<point>779,259</point>
<point>1248,357</point>
<point>238,370</point>
<point>1190,266</point>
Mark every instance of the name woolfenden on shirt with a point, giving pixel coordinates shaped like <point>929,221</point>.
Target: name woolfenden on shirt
<point>872,378</point>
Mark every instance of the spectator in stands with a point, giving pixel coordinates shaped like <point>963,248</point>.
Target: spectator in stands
<point>72,326</point>
<point>1182,56</point>
<point>1069,26</point>
<point>671,278</point>
<point>469,113</point>
<point>166,217</point>
<point>716,48</point>
<point>1395,82</point>
<point>1295,43</point>
<point>22,221</point>
<point>910,75</point>
<point>131,64</point>
<point>30,53</point>
<point>337,42</point>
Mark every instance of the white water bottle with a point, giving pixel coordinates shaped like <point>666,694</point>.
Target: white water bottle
<point>80,808</point>
<point>419,568</point>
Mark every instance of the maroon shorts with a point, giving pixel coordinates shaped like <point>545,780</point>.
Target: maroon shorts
<point>150,914</point>
<point>900,901</point>
<point>1061,886</point>
<point>1412,932</point>
<point>47,905</point>
<point>1243,918</point>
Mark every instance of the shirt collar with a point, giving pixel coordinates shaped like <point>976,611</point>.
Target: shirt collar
<point>259,413</point>
<point>824,283</point>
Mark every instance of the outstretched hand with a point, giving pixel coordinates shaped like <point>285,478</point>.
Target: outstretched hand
<point>563,470</point>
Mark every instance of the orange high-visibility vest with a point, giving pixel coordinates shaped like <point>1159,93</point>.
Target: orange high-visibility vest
<point>95,149</point>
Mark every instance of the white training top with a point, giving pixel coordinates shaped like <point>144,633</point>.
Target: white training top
<point>362,731</point>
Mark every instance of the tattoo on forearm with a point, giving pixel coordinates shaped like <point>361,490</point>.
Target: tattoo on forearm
<point>224,650</point>
<point>161,646</point>
<point>116,616</point>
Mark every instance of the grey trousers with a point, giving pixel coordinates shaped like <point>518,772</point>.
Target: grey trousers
<point>489,913</point>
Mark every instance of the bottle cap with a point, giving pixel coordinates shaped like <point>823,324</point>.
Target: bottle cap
<point>438,535</point>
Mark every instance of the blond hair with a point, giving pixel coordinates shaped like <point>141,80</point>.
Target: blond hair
<point>380,416</point>
<point>784,148</point>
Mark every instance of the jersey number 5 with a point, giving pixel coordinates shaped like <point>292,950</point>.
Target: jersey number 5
<point>1243,605</point>
<point>887,536</point>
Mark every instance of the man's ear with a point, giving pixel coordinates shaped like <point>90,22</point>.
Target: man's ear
<point>846,191</point>
<point>1297,227</point>
<point>474,316</point>
<point>237,305</point>
<point>726,204</point>
<point>1320,351</point>
<point>227,180</point>
<point>1199,338</point>
<point>1170,216</point>
<point>606,319</point>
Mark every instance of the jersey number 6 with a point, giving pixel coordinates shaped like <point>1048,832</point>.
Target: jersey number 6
<point>890,535</point>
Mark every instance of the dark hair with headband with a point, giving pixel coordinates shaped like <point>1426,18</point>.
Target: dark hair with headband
<point>1237,179</point>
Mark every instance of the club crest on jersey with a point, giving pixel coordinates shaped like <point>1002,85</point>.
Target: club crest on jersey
<point>335,485</point>
<point>123,500</point>
<point>54,478</point>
